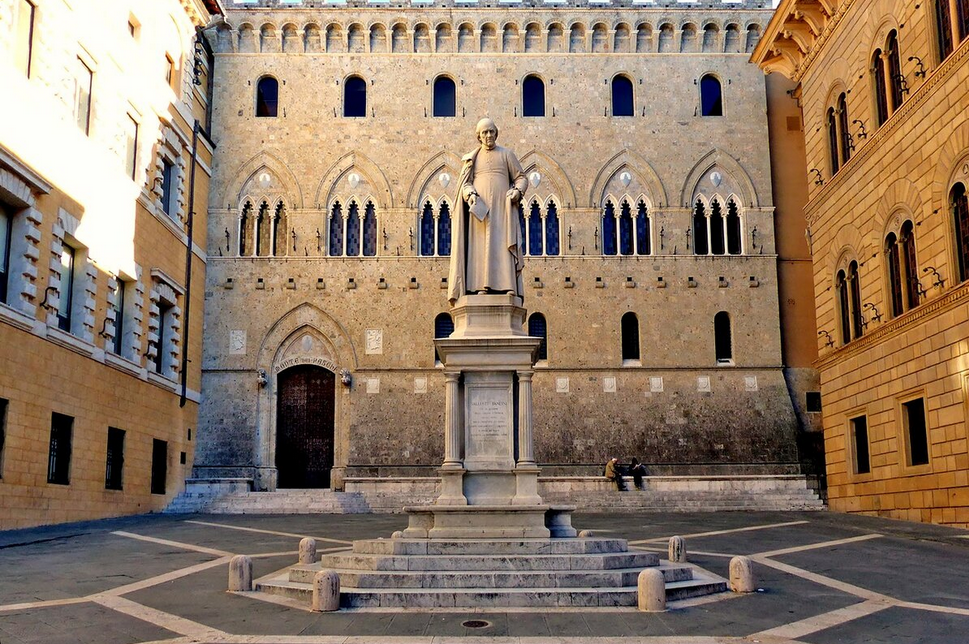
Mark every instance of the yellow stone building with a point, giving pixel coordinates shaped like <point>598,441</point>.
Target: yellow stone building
<point>884,93</point>
<point>100,298</point>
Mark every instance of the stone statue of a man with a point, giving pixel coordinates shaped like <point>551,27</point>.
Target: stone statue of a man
<point>486,241</point>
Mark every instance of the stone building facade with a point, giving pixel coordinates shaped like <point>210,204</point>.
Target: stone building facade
<point>97,312</point>
<point>884,91</point>
<point>651,245</point>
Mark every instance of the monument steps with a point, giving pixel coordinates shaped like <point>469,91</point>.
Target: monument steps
<point>294,501</point>
<point>426,563</point>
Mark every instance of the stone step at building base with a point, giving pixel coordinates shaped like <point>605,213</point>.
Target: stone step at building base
<point>428,573</point>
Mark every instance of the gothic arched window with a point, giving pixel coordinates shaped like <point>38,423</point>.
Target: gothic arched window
<point>700,239</point>
<point>353,230</point>
<point>278,231</point>
<point>959,203</point>
<point>629,326</point>
<point>717,241</point>
<point>267,96</point>
<point>245,232</point>
<point>355,97</point>
<point>622,96</point>
<point>734,245</point>
<point>609,229</point>
<point>444,230</point>
<point>535,229</point>
<point>444,97</point>
<point>263,228</point>
<point>626,241</point>
<point>551,229</point>
<point>336,230</point>
<point>643,245</point>
<point>538,328</point>
<point>533,96</point>
<point>427,230</point>
<point>722,338</point>
<point>711,96</point>
<point>369,230</point>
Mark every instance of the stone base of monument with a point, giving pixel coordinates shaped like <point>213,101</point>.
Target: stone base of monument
<point>489,522</point>
<point>446,573</point>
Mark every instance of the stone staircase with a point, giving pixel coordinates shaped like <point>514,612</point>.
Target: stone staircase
<point>316,501</point>
<point>430,573</point>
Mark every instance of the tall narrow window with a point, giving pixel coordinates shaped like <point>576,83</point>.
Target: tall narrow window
<point>427,230</point>
<point>643,246</point>
<point>445,103</point>
<point>6,241</point>
<point>943,27</point>
<point>833,143</point>
<point>959,203</point>
<point>245,234</point>
<point>267,97</point>
<point>711,96</point>
<point>83,85</point>
<point>718,244</point>
<point>844,307</point>
<point>626,241</point>
<point>622,96</point>
<point>962,18</point>
<point>262,230</point>
<point>355,97</point>
<point>369,230</point>
<point>854,287</point>
<point>844,134</point>
<point>278,231</point>
<point>3,430</point>
<point>131,147</point>
<point>859,443</point>
<point>353,230</point>
<point>24,52</point>
<point>118,308</point>
<point>444,230</point>
<point>164,336</point>
<point>609,229</point>
<point>700,239</point>
<point>895,78</point>
<point>443,328</point>
<point>168,188</point>
<point>159,466</point>
<point>336,230</point>
<point>538,328</point>
<point>114,467</point>
<point>65,303</point>
<point>59,454</point>
<point>535,230</point>
<point>551,229</point>
<point>880,89</point>
<point>734,244</point>
<point>629,326</point>
<point>894,273</point>
<point>913,419</point>
<point>533,96</point>
<point>910,271</point>
<point>722,338</point>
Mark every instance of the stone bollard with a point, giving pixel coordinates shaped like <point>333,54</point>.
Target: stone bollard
<point>652,591</point>
<point>307,550</point>
<point>586,534</point>
<point>741,575</point>
<point>240,574</point>
<point>326,591</point>
<point>677,550</point>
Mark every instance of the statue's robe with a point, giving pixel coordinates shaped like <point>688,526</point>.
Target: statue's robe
<point>486,254</point>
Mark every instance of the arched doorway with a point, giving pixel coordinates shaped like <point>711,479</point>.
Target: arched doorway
<point>304,427</point>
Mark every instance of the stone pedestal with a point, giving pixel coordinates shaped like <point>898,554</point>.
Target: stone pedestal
<point>489,480</point>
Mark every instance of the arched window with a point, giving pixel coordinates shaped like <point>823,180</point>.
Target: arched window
<point>753,36</point>
<point>734,244</point>
<point>959,203</point>
<point>943,27</point>
<point>444,230</point>
<point>427,230</point>
<point>353,230</point>
<point>895,78</point>
<point>626,241</point>
<point>551,229</point>
<point>538,328</point>
<point>717,241</point>
<point>839,137</point>
<point>336,230</point>
<point>643,245</point>
<point>910,271</point>
<point>622,96</point>
<point>879,87</point>
<point>894,273</point>
<point>711,96</point>
<point>844,307</point>
<point>722,338</point>
<point>629,326</point>
<point>535,229</point>
<point>834,156</point>
<point>443,328</point>
<point>533,96</point>
<point>700,239</point>
<point>267,96</point>
<point>845,137</point>
<point>278,231</point>
<point>854,293</point>
<point>609,229</point>
<point>245,232</point>
<point>369,230</point>
<point>262,230</point>
<point>355,97</point>
<point>444,96</point>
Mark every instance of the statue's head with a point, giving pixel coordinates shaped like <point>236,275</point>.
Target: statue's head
<point>487,132</point>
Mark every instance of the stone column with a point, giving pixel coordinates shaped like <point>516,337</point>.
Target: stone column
<point>452,420</point>
<point>526,448</point>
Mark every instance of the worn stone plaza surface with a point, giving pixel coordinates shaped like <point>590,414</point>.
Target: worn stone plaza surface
<point>826,578</point>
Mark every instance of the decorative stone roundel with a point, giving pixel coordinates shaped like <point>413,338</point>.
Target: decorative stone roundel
<point>307,343</point>
<point>265,180</point>
<point>625,178</point>
<point>535,178</point>
<point>353,180</point>
<point>444,178</point>
<point>716,178</point>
